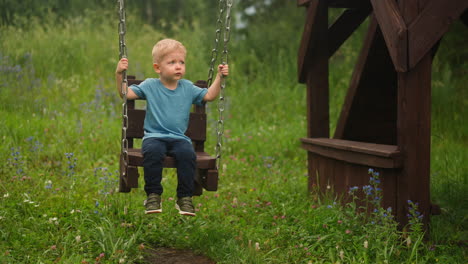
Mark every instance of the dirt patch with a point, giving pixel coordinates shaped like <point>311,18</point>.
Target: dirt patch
<point>175,256</point>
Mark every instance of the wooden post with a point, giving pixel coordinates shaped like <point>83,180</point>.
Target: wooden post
<point>318,119</point>
<point>414,128</point>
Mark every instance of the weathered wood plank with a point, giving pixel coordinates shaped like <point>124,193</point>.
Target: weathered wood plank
<point>430,25</point>
<point>394,31</point>
<point>344,26</point>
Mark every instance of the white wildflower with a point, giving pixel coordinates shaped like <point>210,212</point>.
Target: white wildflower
<point>257,246</point>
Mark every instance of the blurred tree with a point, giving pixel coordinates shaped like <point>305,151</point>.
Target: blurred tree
<point>153,12</point>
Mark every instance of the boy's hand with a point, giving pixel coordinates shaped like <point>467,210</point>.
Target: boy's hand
<point>223,69</point>
<point>122,66</point>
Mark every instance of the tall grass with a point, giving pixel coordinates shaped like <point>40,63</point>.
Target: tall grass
<point>60,130</point>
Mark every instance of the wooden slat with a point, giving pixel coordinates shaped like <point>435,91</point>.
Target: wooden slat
<point>430,25</point>
<point>204,160</point>
<point>374,155</point>
<point>344,26</point>
<point>136,119</point>
<point>394,31</point>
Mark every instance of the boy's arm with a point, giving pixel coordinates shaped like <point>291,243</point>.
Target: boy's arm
<point>123,66</point>
<point>215,88</point>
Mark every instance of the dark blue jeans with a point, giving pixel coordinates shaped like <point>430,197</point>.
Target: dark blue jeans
<point>154,151</point>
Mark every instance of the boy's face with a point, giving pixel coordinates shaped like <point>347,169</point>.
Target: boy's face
<point>172,67</point>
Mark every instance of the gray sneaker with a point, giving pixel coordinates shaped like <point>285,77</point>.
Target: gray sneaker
<point>185,206</point>
<point>153,204</point>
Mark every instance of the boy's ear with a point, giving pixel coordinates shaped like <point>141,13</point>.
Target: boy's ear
<point>156,68</point>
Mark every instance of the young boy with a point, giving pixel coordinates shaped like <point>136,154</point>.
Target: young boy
<point>169,100</point>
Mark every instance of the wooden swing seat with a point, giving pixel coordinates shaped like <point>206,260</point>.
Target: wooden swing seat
<point>206,173</point>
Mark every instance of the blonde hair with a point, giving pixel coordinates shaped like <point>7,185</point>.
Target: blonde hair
<point>164,47</point>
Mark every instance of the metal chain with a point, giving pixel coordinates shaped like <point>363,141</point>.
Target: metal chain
<point>214,51</point>
<point>222,100</point>
<point>124,85</point>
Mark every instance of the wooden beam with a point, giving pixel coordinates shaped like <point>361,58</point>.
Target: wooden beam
<point>308,41</point>
<point>316,73</point>
<point>414,128</point>
<point>394,31</point>
<point>344,26</point>
<point>427,29</point>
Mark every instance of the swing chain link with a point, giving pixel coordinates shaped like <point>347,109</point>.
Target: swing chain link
<point>123,85</point>
<point>224,61</point>
<point>214,51</point>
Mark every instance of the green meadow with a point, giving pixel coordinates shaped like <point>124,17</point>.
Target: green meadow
<point>60,130</point>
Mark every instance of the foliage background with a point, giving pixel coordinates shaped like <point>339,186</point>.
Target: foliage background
<point>60,130</point>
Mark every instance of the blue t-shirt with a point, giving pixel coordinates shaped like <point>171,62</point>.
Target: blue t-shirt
<point>168,111</point>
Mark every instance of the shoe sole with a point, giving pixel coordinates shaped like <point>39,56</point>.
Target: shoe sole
<point>157,211</point>
<point>153,211</point>
<point>184,212</point>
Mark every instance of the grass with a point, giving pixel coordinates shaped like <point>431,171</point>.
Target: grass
<point>60,130</point>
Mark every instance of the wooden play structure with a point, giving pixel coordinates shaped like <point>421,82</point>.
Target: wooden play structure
<point>385,122</point>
